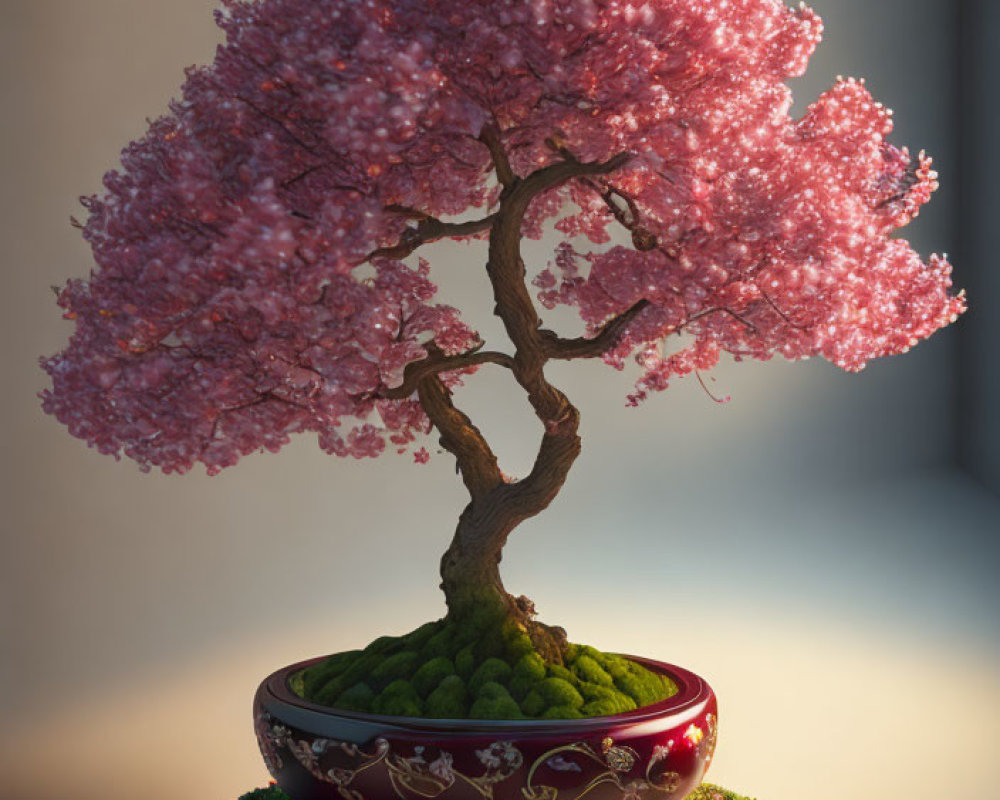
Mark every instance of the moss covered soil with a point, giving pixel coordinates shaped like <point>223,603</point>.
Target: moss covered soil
<point>445,671</point>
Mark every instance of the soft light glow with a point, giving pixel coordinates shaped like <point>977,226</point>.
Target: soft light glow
<point>694,734</point>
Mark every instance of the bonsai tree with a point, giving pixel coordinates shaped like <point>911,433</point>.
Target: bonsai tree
<point>260,272</point>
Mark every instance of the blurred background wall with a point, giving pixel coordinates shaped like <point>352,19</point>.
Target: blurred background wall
<point>978,237</point>
<point>819,528</point>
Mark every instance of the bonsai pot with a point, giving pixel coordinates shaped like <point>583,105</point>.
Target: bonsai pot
<point>320,753</point>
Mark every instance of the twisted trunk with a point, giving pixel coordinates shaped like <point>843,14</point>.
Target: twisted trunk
<point>470,568</point>
<point>470,573</point>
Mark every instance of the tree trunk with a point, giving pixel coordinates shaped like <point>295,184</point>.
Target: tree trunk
<point>470,574</point>
<point>470,577</point>
<point>470,568</point>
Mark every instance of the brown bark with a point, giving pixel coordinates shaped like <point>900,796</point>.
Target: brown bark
<point>428,230</point>
<point>437,362</point>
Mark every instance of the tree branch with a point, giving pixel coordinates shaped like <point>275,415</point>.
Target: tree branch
<point>490,136</point>
<point>459,436</point>
<point>514,305</point>
<point>642,239</point>
<point>428,230</point>
<point>557,452</point>
<point>593,347</point>
<point>561,441</point>
<point>506,270</point>
<point>436,362</point>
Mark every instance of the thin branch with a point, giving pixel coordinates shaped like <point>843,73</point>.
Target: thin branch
<point>490,136</point>
<point>560,172</point>
<point>595,346</point>
<point>459,436</point>
<point>642,239</point>
<point>406,211</point>
<point>720,309</point>
<point>779,312</point>
<point>436,362</point>
<point>279,122</point>
<point>428,230</point>
<point>707,391</point>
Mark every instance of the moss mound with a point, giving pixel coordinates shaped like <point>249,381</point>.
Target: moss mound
<point>445,671</point>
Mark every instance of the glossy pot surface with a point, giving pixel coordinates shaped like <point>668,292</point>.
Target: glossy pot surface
<point>319,753</point>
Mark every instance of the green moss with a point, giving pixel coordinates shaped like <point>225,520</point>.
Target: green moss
<point>492,689</point>
<point>464,636</point>
<point>490,644</point>
<point>384,645</point>
<point>358,698</point>
<point>487,616</point>
<point>416,639</point>
<point>587,669</point>
<point>443,667</point>
<point>493,701</point>
<point>708,791</point>
<point>590,652</point>
<point>359,669</point>
<point>628,683</point>
<point>558,692</point>
<point>297,684</point>
<point>441,643</point>
<point>599,708</point>
<point>600,698</point>
<point>533,704</point>
<point>328,693</point>
<point>561,712</point>
<point>492,669</point>
<point>520,686</point>
<point>315,676</point>
<point>517,642</point>
<point>593,691</point>
<point>643,686</point>
<point>519,645</point>
<point>448,700</point>
<point>614,665</point>
<point>426,679</point>
<point>401,665</point>
<point>529,666</point>
<point>527,673</point>
<point>669,688</point>
<point>465,662</point>
<point>616,703</point>
<point>399,699</point>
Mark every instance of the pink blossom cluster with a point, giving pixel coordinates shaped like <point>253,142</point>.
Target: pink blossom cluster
<point>238,296</point>
<point>773,235</point>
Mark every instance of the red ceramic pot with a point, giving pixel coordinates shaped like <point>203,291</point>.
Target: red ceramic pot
<point>319,753</point>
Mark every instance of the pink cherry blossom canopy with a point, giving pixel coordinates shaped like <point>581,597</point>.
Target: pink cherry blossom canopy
<point>250,281</point>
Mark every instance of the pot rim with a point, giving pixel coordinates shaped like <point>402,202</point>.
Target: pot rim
<point>692,691</point>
